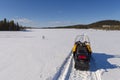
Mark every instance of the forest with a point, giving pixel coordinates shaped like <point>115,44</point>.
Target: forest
<point>6,25</point>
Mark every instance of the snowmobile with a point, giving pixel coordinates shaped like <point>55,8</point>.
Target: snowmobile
<point>82,52</point>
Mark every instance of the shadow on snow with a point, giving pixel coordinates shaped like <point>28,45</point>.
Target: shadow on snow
<point>100,61</point>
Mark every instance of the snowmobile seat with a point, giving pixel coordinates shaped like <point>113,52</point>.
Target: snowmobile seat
<point>81,50</point>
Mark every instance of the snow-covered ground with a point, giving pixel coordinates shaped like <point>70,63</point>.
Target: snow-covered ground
<point>26,55</point>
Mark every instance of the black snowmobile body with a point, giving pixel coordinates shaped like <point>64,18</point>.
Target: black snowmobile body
<point>81,56</point>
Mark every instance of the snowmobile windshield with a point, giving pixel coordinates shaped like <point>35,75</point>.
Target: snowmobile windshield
<point>82,38</point>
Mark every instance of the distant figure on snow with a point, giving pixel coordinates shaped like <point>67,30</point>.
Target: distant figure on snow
<point>43,37</point>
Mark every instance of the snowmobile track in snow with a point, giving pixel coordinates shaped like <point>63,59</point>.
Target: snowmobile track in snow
<point>68,72</point>
<point>65,69</point>
<point>85,75</point>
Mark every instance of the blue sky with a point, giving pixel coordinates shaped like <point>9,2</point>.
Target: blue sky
<point>46,13</point>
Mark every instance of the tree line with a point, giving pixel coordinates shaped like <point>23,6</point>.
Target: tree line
<point>6,25</point>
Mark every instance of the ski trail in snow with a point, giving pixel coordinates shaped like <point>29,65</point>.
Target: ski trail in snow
<point>68,72</point>
<point>79,75</point>
<point>86,75</point>
<point>65,69</point>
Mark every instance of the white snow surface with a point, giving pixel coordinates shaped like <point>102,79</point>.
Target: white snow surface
<point>26,55</point>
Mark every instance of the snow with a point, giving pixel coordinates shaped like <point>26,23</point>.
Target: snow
<point>26,55</point>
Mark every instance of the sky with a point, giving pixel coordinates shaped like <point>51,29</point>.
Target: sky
<point>50,13</point>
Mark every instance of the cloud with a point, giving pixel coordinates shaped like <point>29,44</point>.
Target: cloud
<point>31,23</point>
<point>26,22</point>
<point>22,20</point>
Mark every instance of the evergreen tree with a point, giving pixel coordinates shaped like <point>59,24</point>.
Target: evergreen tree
<point>9,25</point>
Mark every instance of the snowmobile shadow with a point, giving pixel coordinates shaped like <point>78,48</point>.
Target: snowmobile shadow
<point>100,61</point>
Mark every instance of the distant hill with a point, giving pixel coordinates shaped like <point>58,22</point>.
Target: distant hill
<point>104,24</point>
